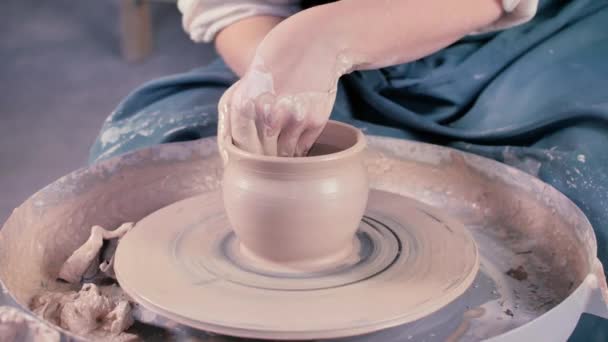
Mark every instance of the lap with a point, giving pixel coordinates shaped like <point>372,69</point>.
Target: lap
<point>175,108</point>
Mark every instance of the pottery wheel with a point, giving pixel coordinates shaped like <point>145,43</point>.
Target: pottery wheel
<point>184,262</point>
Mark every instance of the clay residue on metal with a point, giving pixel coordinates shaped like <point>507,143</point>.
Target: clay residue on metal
<point>518,273</point>
<point>17,326</point>
<point>467,316</point>
<point>523,217</point>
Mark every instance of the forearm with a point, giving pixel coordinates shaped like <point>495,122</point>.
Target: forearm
<point>237,43</point>
<point>401,31</point>
<point>368,34</point>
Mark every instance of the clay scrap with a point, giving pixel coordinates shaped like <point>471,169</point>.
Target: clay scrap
<point>518,273</point>
<point>98,312</point>
<point>85,262</point>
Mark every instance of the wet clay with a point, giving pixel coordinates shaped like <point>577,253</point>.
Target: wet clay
<point>412,258</point>
<point>301,212</point>
<point>16,326</point>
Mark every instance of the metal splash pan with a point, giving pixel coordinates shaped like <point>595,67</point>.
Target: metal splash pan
<point>539,271</point>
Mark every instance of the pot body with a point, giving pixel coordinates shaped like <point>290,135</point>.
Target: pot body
<point>301,212</point>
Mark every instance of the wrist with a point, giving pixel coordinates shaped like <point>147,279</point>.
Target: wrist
<point>237,43</point>
<point>304,52</point>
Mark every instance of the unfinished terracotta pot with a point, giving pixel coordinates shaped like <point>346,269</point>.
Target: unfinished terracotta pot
<point>300,213</point>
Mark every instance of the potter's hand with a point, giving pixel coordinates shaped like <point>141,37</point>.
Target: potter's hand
<point>283,101</point>
<point>284,123</point>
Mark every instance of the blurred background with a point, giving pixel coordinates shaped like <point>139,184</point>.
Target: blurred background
<point>64,66</point>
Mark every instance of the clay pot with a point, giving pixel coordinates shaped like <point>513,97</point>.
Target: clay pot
<point>299,212</point>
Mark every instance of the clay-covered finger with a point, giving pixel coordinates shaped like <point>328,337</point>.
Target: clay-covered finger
<point>268,123</point>
<point>223,123</point>
<point>242,126</point>
<point>223,114</point>
<point>308,138</point>
<point>282,127</point>
<point>289,137</point>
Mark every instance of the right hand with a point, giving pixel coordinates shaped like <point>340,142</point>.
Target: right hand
<point>284,100</point>
<point>271,122</point>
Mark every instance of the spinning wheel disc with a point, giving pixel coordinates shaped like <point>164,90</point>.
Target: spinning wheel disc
<point>184,262</point>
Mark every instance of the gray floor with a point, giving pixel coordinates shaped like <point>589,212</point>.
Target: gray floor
<point>61,74</point>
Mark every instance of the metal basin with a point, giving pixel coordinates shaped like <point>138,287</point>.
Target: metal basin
<point>539,271</point>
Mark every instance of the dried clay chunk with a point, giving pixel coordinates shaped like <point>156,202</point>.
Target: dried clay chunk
<point>98,313</point>
<point>85,260</point>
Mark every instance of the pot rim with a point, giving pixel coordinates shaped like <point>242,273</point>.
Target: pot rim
<point>355,149</point>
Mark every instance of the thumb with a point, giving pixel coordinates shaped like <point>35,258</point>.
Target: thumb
<point>223,123</point>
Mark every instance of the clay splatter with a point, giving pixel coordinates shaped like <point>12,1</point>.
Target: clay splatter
<point>581,158</point>
<point>518,273</point>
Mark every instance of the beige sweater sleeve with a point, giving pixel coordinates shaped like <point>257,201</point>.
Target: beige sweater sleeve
<point>204,19</point>
<point>516,13</point>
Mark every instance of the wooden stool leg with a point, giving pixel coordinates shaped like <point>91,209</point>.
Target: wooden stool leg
<point>135,28</point>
